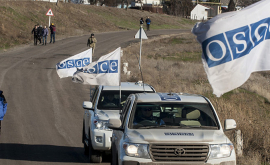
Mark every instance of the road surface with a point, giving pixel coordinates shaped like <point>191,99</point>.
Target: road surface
<point>43,124</point>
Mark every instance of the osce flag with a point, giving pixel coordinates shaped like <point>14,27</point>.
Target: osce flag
<point>234,45</point>
<point>68,67</point>
<point>105,71</point>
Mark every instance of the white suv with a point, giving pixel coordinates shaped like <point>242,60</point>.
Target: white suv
<point>105,104</point>
<point>170,128</point>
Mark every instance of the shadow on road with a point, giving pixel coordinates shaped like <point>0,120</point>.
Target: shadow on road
<point>42,153</point>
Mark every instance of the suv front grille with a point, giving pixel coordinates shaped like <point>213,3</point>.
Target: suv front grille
<point>178,152</point>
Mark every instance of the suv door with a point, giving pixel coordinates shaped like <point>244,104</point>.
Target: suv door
<point>117,134</point>
<point>88,112</point>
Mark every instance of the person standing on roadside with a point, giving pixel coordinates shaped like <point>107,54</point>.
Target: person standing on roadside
<point>53,30</point>
<point>141,21</point>
<point>92,43</point>
<point>148,21</point>
<point>45,33</point>
<point>40,29</point>
<point>35,32</point>
<point>3,107</point>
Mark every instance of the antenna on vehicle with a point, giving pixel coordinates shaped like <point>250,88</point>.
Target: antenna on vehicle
<point>142,77</point>
<point>141,72</point>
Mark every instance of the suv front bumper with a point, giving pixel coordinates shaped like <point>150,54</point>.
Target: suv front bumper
<point>127,160</point>
<point>177,163</point>
<point>101,139</point>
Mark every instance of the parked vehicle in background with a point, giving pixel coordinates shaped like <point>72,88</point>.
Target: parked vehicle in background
<point>170,128</point>
<point>104,104</point>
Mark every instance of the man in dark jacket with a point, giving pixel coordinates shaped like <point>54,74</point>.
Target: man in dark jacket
<point>39,33</point>
<point>53,30</point>
<point>3,107</point>
<point>141,21</point>
<point>35,32</point>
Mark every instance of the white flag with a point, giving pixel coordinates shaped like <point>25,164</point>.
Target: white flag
<point>68,67</point>
<point>105,71</point>
<point>234,45</point>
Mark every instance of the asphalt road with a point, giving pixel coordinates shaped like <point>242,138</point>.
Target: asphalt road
<point>43,124</point>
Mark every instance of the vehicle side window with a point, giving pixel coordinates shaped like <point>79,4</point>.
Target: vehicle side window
<point>125,111</point>
<point>95,96</point>
<point>93,90</point>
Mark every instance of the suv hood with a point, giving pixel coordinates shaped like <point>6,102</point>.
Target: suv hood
<point>176,135</point>
<point>108,114</point>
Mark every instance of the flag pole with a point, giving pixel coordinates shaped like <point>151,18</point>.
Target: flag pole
<point>49,21</point>
<point>140,46</point>
<point>120,111</point>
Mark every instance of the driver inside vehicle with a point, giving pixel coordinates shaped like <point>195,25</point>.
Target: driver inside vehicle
<point>145,117</point>
<point>110,99</point>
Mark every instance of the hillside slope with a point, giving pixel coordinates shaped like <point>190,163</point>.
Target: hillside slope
<point>18,18</point>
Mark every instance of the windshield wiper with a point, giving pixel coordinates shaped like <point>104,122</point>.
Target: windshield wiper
<point>197,126</point>
<point>149,127</point>
<point>209,127</point>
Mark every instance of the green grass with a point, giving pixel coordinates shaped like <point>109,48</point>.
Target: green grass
<point>183,56</point>
<point>186,57</point>
<point>123,23</point>
<point>188,22</point>
<point>164,26</point>
<point>5,46</point>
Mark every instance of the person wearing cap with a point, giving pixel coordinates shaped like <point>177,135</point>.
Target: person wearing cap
<point>53,30</point>
<point>3,107</point>
<point>92,43</point>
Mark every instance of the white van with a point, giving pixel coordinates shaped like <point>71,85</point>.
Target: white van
<point>170,129</point>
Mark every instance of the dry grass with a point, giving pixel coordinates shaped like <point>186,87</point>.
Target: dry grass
<point>173,63</point>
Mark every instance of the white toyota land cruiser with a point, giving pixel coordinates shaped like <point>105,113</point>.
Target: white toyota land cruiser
<point>103,105</point>
<point>170,129</point>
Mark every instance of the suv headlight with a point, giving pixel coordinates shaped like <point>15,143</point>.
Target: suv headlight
<point>101,124</point>
<point>136,150</point>
<point>220,150</point>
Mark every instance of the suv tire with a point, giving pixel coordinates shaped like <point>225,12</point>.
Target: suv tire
<point>85,147</point>
<point>114,158</point>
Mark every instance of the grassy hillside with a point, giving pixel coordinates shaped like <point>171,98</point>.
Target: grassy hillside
<point>17,19</point>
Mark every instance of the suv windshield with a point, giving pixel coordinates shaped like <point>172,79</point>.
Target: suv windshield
<point>110,100</point>
<point>172,115</point>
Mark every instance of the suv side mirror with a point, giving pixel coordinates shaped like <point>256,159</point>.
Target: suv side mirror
<point>115,124</point>
<point>229,124</point>
<point>88,105</point>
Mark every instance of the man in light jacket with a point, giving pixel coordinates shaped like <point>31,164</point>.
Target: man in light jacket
<point>45,33</point>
